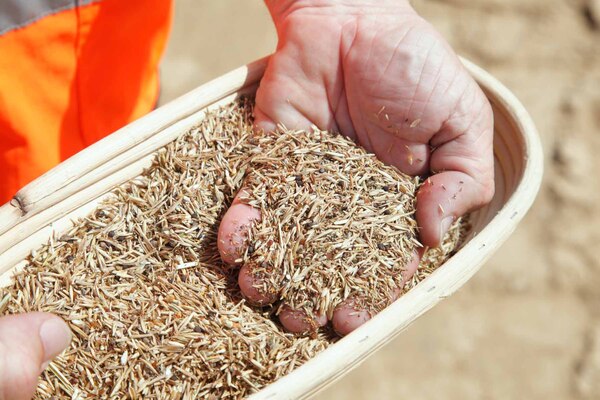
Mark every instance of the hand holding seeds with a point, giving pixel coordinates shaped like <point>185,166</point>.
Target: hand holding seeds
<point>378,73</point>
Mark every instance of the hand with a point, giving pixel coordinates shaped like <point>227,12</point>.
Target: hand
<point>28,342</point>
<point>378,73</point>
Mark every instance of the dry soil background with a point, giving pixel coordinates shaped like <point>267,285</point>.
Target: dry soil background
<point>528,325</point>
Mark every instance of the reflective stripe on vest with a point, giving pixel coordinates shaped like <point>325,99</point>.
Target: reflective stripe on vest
<point>16,14</point>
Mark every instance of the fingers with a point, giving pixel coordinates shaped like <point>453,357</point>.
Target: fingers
<point>297,321</point>
<point>256,281</point>
<point>463,168</point>
<point>234,229</point>
<point>257,284</point>
<point>442,199</point>
<point>28,342</point>
<point>260,284</point>
<point>348,316</point>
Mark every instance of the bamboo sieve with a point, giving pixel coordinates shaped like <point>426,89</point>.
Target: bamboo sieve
<point>73,189</point>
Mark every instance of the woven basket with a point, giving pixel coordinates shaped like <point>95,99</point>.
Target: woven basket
<point>74,188</point>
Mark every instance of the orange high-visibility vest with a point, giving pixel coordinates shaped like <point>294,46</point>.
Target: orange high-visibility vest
<point>71,72</point>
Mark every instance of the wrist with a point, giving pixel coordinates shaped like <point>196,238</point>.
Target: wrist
<point>280,9</point>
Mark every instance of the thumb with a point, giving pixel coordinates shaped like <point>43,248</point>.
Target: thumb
<point>28,342</point>
<point>463,167</point>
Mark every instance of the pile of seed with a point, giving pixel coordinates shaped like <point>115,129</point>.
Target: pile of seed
<point>336,222</point>
<point>154,312</point>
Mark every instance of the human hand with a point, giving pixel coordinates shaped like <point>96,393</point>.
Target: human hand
<point>378,73</point>
<point>28,342</point>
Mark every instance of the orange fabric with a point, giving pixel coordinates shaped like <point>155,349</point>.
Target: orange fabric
<point>73,77</point>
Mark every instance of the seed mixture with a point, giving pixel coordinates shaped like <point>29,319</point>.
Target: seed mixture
<point>336,222</point>
<point>153,310</point>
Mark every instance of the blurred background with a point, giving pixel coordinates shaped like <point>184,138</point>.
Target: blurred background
<point>528,325</point>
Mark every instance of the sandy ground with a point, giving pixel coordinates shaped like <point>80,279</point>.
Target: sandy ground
<point>528,325</point>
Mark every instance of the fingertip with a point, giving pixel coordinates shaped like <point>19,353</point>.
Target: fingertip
<point>233,231</point>
<point>433,230</point>
<point>297,321</point>
<point>28,342</point>
<point>258,292</point>
<point>55,335</point>
<point>347,318</point>
<point>441,199</point>
<point>262,122</point>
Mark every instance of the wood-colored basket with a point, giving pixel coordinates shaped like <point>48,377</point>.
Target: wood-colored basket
<point>73,189</point>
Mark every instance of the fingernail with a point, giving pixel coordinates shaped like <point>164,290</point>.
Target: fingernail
<point>444,226</point>
<point>56,336</point>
